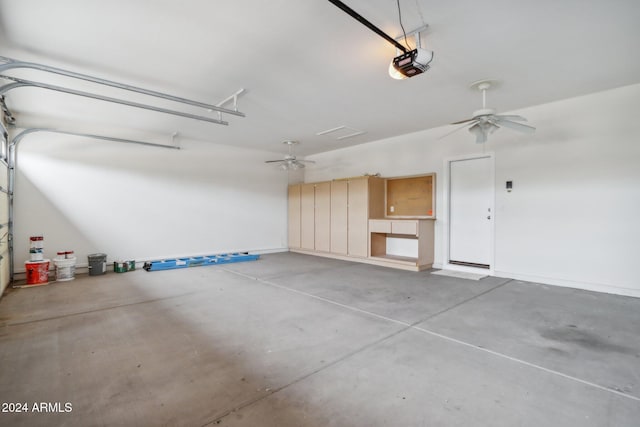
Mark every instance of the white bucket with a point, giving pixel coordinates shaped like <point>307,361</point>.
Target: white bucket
<point>65,268</point>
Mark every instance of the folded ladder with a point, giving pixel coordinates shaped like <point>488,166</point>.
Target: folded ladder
<point>168,264</point>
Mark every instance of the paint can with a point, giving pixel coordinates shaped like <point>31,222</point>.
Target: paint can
<point>65,268</point>
<point>36,254</point>
<point>97,264</point>
<point>36,242</point>
<point>36,248</point>
<point>37,272</point>
<point>120,266</point>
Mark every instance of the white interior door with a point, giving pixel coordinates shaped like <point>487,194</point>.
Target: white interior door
<point>470,216</point>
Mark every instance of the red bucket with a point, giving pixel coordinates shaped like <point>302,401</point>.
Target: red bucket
<point>37,272</point>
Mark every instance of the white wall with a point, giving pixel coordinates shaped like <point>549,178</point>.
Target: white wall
<point>138,202</point>
<point>572,217</point>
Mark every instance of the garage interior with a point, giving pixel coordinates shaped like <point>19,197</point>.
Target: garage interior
<point>454,248</point>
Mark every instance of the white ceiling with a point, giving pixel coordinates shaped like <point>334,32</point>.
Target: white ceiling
<point>307,66</point>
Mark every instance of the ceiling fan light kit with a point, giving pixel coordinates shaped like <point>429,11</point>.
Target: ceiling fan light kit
<point>290,162</point>
<point>485,121</point>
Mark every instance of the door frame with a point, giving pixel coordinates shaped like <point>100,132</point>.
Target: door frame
<point>447,214</point>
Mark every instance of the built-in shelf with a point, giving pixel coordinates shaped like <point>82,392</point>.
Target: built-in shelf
<point>421,230</point>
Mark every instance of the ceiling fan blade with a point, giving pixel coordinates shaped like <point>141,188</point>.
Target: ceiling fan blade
<point>463,121</point>
<point>515,126</point>
<point>290,162</point>
<point>510,117</point>
<point>453,131</point>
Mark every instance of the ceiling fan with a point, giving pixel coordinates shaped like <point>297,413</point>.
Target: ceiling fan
<point>485,121</point>
<point>290,162</point>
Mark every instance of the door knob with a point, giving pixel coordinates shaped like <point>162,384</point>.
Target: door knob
<point>488,216</point>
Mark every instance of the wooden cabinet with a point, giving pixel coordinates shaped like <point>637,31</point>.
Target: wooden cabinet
<point>323,216</point>
<point>365,200</point>
<point>334,216</point>
<point>339,216</point>
<point>347,219</point>
<point>353,202</point>
<point>294,216</point>
<point>307,216</point>
<point>357,217</point>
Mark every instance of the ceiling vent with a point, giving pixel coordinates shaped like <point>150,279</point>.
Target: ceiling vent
<point>341,132</point>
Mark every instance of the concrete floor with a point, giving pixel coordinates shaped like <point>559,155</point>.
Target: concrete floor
<point>294,340</point>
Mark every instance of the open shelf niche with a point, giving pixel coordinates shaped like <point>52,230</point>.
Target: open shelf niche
<point>410,197</point>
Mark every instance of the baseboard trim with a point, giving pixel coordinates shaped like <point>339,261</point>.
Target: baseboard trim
<point>373,261</point>
<point>595,287</point>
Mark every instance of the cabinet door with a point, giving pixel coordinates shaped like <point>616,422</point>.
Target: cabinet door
<point>294,216</point>
<point>358,217</point>
<point>339,200</point>
<point>307,216</point>
<point>323,217</point>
